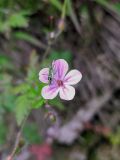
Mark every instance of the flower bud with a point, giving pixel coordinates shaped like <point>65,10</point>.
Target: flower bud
<point>51,116</point>
<point>61,24</point>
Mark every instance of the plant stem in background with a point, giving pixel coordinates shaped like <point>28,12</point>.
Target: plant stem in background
<point>55,34</point>
<point>17,142</point>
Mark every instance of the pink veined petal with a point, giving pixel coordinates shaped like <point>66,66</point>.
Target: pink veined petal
<point>43,75</point>
<point>72,77</point>
<point>67,92</point>
<point>49,92</point>
<point>61,68</point>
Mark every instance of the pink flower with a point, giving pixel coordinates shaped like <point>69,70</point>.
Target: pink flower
<point>61,81</point>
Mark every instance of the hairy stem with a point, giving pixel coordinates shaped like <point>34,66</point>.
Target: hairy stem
<point>17,141</point>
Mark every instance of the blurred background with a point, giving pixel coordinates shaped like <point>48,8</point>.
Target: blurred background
<point>86,33</point>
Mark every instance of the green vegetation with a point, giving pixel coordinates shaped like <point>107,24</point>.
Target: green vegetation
<point>25,38</point>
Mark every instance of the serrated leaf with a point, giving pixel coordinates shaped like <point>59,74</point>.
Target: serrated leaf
<point>31,94</point>
<point>22,108</point>
<point>21,88</point>
<point>38,103</point>
<point>18,20</point>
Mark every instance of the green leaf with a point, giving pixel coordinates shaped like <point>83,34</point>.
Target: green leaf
<point>21,88</point>
<point>18,20</point>
<point>4,26</point>
<point>115,137</point>
<point>22,108</point>
<point>27,37</point>
<point>38,103</point>
<point>57,4</point>
<point>5,62</point>
<point>8,102</point>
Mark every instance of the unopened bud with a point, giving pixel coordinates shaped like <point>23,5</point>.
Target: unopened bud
<point>51,116</point>
<point>21,143</point>
<point>61,24</point>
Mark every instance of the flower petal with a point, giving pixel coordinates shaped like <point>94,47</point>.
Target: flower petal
<point>61,68</point>
<point>49,92</point>
<point>73,77</point>
<point>67,92</point>
<point>43,75</point>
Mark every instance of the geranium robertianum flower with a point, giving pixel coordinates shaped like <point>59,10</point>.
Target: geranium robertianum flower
<point>61,81</point>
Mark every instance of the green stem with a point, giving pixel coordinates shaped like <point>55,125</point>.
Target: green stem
<point>64,9</point>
